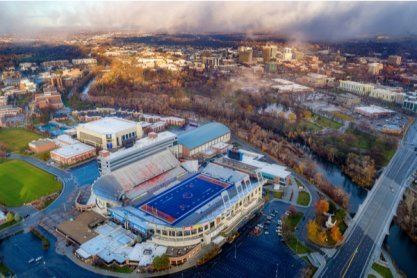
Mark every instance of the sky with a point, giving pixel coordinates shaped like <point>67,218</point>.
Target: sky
<point>297,20</point>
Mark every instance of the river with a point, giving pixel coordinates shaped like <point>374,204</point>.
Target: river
<point>399,245</point>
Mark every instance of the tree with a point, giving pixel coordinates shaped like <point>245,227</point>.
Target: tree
<point>312,229</point>
<point>291,117</point>
<point>17,217</point>
<point>161,262</point>
<point>322,206</point>
<point>9,217</point>
<point>336,234</point>
<point>307,114</point>
<point>292,210</point>
<point>322,237</point>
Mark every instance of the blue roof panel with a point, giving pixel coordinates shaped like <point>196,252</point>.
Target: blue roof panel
<point>202,135</point>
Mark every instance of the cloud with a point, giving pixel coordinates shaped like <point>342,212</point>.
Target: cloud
<point>306,20</point>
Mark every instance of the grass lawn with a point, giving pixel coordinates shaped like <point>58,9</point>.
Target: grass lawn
<point>303,198</point>
<point>8,224</point>
<point>4,269</point>
<point>278,194</point>
<point>17,139</point>
<point>21,182</point>
<point>382,270</point>
<point>297,246</point>
<point>307,125</point>
<point>292,240</point>
<point>120,269</point>
<point>342,116</point>
<point>324,122</point>
<point>294,220</point>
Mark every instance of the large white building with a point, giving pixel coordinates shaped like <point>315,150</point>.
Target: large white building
<point>387,95</point>
<point>356,87</point>
<point>287,54</point>
<point>384,93</point>
<point>109,133</point>
<point>153,143</point>
<point>199,140</point>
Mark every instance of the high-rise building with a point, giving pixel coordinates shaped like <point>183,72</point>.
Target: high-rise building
<point>394,60</point>
<point>245,54</point>
<point>375,68</point>
<point>287,55</point>
<point>269,52</point>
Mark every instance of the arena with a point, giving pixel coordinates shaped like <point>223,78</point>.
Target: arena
<point>174,205</point>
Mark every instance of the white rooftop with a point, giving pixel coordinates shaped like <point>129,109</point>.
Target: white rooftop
<point>66,140</point>
<point>144,143</point>
<point>276,170</point>
<point>373,109</point>
<point>109,125</point>
<point>114,244</point>
<point>72,150</point>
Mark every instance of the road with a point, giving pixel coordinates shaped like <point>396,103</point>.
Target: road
<point>365,235</point>
<point>69,183</point>
<point>309,212</point>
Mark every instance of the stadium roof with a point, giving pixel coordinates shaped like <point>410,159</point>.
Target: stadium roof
<point>144,143</point>
<point>202,135</point>
<point>115,184</point>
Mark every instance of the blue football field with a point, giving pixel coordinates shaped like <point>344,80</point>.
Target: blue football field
<point>184,198</point>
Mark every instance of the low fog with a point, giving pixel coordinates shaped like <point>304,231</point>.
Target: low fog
<point>297,20</point>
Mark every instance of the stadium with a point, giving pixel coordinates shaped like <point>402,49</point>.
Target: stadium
<point>178,206</point>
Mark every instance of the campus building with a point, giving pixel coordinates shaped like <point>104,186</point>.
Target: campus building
<point>245,54</point>
<point>356,87</point>
<point>109,133</point>
<point>394,60</point>
<point>410,102</point>
<point>152,144</point>
<point>249,163</point>
<point>199,140</point>
<point>72,154</point>
<point>49,99</point>
<point>42,145</point>
<point>388,94</point>
<point>375,68</point>
<point>269,52</point>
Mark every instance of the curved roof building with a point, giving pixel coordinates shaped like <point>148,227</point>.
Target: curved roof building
<point>112,188</point>
<point>202,138</point>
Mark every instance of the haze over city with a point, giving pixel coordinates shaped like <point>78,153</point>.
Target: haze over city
<point>296,20</point>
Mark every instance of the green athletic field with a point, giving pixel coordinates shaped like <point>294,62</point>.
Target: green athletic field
<point>21,182</point>
<point>17,139</point>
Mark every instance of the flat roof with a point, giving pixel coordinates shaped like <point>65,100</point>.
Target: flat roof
<point>109,125</point>
<point>80,229</point>
<point>276,170</point>
<point>72,150</point>
<point>203,134</point>
<point>373,109</point>
<point>41,142</point>
<point>144,143</point>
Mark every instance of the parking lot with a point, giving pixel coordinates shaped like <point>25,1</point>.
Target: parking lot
<point>20,249</point>
<point>254,256</point>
